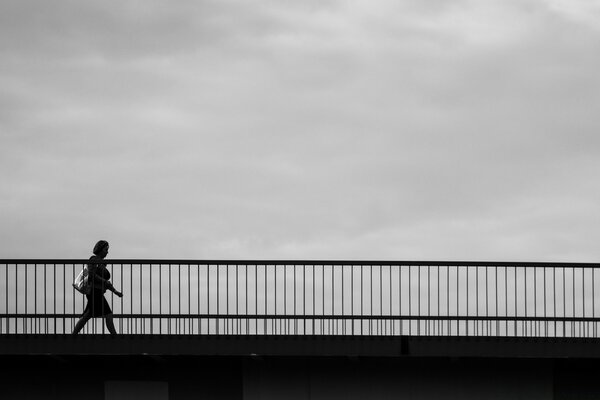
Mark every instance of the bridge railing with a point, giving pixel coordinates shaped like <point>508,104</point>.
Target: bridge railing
<point>282,297</point>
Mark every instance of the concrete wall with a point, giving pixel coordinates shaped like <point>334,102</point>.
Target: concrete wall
<point>397,379</point>
<point>291,378</point>
<point>96,377</point>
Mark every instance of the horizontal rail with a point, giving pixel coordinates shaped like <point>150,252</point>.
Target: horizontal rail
<point>338,263</point>
<point>315,317</point>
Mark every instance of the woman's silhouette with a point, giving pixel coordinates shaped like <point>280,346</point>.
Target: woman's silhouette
<point>98,279</point>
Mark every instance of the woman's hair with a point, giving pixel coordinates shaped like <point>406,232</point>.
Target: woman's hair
<point>100,246</point>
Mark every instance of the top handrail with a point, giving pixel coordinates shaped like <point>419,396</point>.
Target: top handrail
<point>552,264</point>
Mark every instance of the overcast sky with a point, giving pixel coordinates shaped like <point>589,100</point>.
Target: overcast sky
<point>386,130</point>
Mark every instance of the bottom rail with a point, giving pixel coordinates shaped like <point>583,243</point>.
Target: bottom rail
<point>220,324</point>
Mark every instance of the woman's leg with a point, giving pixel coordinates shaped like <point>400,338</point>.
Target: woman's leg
<point>110,324</point>
<point>81,323</point>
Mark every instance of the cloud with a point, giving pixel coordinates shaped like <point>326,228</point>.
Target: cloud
<point>579,11</point>
<point>308,130</point>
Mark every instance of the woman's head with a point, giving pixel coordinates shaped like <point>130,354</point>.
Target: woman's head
<point>101,248</point>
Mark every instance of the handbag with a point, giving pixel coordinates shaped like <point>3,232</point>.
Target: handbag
<point>81,283</point>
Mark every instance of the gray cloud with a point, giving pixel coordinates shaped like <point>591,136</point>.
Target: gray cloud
<point>383,130</point>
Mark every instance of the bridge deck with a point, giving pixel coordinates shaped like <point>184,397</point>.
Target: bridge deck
<point>284,345</point>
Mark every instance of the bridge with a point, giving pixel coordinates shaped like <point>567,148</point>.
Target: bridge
<point>446,321</point>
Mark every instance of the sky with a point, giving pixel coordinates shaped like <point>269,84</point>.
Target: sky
<point>351,130</point>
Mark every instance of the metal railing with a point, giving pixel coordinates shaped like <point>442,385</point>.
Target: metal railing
<point>258,297</point>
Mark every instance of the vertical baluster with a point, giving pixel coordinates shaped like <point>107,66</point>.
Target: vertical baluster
<point>256,297</point>
<point>285,311</point>
<point>130,322</point>
<point>150,298</point>
<point>331,321</point>
<point>476,327</point>
<point>582,328</point>
<point>304,298</point>
<point>593,303</point>
<point>16,311</point>
<point>371,300</point>
<point>218,320</point>
<point>573,325</point>
<point>227,298</point>
<point>189,293</point>
<point>295,301</point>
<point>314,299</point>
<point>361,300</point>
<point>439,323</point>
<point>554,298</point>
<point>208,299</point>
<point>534,330</point>
<point>496,302</point>
<point>6,301</point>
<point>45,297</point>
<point>428,300</point>
<point>418,299</point>
<point>246,298</point>
<point>448,325</point>
<point>458,313</point>
<point>410,322</point>
<point>516,295</point>
<point>565,322</point>
<point>25,302</point>
<point>467,294</point>
<point>198,295</point>
<point>400,327</point>
<point>506,297</point>
<point>170,301</point>
<point>141,286</point>
<point>179,313</point>
<point>266,302</point>
<point>323,299</point>
<point>545,313</point>
<point>121,302</point>
<point>343,321</point>
<point>237,286</point>
<point>392,321</point>
<point>487,310</point>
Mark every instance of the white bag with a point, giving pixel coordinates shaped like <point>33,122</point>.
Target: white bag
<point>81,282</point>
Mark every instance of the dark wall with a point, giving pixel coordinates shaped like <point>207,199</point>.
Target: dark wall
<point>253,378</point>
<point>421,378</point>
<point>577,379</point>
<point>84,377</point>
<point>388,378</point>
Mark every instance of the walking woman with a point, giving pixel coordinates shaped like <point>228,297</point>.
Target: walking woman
<point>99,281</point>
